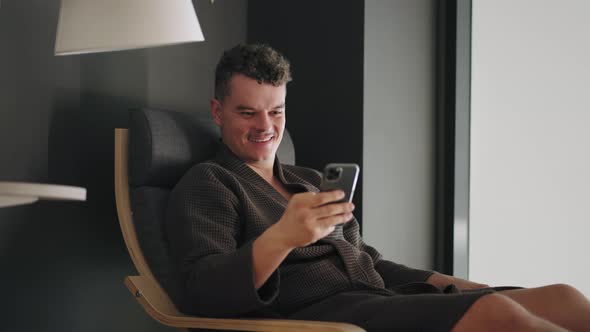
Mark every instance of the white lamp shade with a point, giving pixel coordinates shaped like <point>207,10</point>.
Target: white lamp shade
<point>18,193</point>
<point>90,26</point>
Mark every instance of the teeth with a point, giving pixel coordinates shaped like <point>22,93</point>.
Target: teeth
<point>261,140</point>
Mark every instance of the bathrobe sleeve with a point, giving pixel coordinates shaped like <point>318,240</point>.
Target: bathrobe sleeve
<point>204,228</point>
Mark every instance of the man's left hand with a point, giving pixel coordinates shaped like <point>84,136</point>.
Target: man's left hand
<point>442,280</point>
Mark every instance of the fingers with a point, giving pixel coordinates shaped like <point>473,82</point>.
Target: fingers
<point>338,219</point>
<point>318,199</point>
<point>333,209</point>
<point>315,208</point>
<point>319,207</point>
<point>334,214</point>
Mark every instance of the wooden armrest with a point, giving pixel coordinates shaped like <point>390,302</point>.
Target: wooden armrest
<point>149,296</point>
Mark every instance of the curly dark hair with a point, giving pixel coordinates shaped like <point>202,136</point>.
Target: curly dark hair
<point>257,61</point>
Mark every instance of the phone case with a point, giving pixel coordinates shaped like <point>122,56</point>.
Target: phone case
<point>340,176</point>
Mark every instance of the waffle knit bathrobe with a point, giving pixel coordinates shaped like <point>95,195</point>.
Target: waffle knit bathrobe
<point>221,206</point>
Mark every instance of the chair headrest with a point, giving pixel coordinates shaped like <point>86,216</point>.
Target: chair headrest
<point>163,145</point>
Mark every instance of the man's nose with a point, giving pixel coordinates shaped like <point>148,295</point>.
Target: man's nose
<point>263,122</point>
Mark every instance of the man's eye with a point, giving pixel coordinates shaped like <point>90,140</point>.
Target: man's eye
<point>277,112</point>
<point>247,113</point>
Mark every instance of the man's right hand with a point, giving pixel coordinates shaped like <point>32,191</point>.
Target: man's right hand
<point>309,217</point>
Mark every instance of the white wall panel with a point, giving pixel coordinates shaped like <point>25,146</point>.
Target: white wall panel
<point>530,139</point>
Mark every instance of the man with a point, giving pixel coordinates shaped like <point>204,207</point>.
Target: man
<point>253,237</point>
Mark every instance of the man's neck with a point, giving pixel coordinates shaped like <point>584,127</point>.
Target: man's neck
<point>265,170</point>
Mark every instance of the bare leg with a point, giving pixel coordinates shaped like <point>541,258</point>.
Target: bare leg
<point>496,312</point>
<point>560,304</point>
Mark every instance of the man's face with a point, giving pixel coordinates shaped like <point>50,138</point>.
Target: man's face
<point>252,119</point>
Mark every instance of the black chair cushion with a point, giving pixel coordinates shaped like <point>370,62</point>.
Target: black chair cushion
<point>163,145</point>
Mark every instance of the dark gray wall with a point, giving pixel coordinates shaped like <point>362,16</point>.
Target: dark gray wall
<point>324,42</point>
<point>182,77</point>
<point>63,263</point>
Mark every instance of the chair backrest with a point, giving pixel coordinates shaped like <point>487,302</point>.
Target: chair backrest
<point>162,146</point>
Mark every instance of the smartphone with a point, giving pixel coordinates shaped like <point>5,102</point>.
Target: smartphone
<point>340,176</point>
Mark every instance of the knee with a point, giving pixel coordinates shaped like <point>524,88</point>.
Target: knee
<point>503,311</point>
<point>564,292</point>
<point>495,312</point>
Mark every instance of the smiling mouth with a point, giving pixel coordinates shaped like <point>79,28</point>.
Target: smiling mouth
<point>260,140</point>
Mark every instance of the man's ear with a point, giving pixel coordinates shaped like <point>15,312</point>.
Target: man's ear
<point>215,107</point>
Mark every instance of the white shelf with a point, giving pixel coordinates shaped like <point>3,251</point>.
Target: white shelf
<point>18,193</point>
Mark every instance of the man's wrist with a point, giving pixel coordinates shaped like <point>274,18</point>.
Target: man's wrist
<point>278,238</point>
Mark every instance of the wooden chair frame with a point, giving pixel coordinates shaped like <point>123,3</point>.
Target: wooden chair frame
<point>152,297</point>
